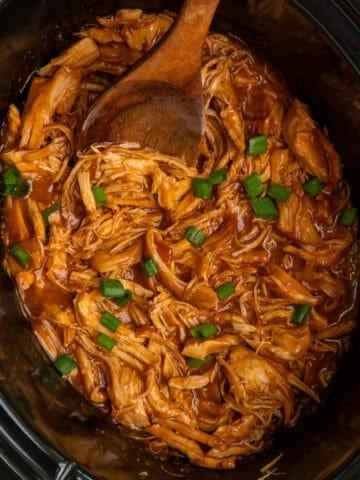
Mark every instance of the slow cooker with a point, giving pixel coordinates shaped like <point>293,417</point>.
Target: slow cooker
<point>47,432</point>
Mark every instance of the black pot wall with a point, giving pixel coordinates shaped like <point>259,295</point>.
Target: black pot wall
<point>42,420</point>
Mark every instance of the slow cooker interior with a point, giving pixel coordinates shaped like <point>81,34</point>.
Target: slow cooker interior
<point>32,32</point>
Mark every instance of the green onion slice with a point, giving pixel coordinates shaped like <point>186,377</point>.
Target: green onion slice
<point>65,364</point>
<point>149,268</point>
<point>218,176</point>
<point>279,192</point>
<point>257,145</point>
<point>125,299</point>
<point>195,236</point>
<point>105,341</point>
<point>12,183</point>
<point>111,288</point>
<point>202,188</point>
<point>225,290</point>
<point>253,185</point>
<point>196,362</point>
<point>109,321</point>
<point>47,212</point>
<point>349,217</point>
<point>205,330</point>
<point>264,208</point>
<point>313,186</point>
<point>155,196</point>
<point>99,195</point>
<point>21,255</point>
<point>301,314</point>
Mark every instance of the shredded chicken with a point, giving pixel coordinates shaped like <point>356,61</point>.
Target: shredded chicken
<point>215,397</point>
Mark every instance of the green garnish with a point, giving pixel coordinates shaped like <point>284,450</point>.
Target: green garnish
<point>65,364</point>
<point>21,255</point>
<point>349,217</point>
<point>257,145</point>
<point>196,362</point>
<point>195,236</point>
<point>279,192</point>
<point>205,330</point>
<point>264,208</point>
<point>301,314</point>
<point>111,288</point>
<point>313,186</point>
<point>225,290</point>
<point>105,341</point>
<point>99,195</point>
<point>149,268</point>
<point>202,188</point>
<point>218,176</point>
<point>253,185</point>
<point>109,321</point>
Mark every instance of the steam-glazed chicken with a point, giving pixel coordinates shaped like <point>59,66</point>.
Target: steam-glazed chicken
<point>203,306</point>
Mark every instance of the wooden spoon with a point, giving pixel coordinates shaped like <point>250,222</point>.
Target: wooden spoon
<point>158,103</point>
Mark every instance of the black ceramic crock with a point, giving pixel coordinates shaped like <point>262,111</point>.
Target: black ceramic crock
<point>47,432</point>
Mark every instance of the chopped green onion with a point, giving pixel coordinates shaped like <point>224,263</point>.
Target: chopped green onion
<point>49,377</point>
<point>349,217</point>
<point>301,314</point>
<point>65,364</point>
<point>196,362</point>
<point>109,321</point>
<point>149,268</point>
<point>202,188</point>
<point>218,176</point>
<point>125,299</point>
<point>21,255</point>
<point>257,145</point>
<point>279,192</point>
<point>253,185</point>
<point>313,186</point>
<point>195,236</point>
<point>47,212</point>
<point>99,195</point>
<point>155,196</point>
<point>264,208</point>
<point>12,184</point>
<point>225,290</point>
<point>105,341</point>
<point>204,330</point>
<point>111,288</point>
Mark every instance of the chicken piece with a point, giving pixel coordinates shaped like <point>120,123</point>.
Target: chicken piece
<point>296,220</point>
<point>58,314</point>
<point>288,287</point>
<point>190,448</point>
<point>103,261</point>
<point>56,94</point>
<point>91,377</point>
<point>199,295</point>
<point>13,124</point>
<point>256,386</point>
<point>128,404</point>
<point>284,169</point>
<point>310,145</point>
<point>284,343</point>
<point>202,348</point>
<point>102,35</point>
<point>80,54</point>
<point>145,33</point>
<point>17,222</point>
<point>48,338</point>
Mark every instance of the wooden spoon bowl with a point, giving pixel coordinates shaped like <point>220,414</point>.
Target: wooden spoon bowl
<point>158,103</point>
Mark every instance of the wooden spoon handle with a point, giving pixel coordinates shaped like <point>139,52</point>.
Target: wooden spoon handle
<point>178,57</point>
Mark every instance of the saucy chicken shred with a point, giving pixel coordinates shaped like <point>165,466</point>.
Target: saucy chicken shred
<point>203,307</point>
